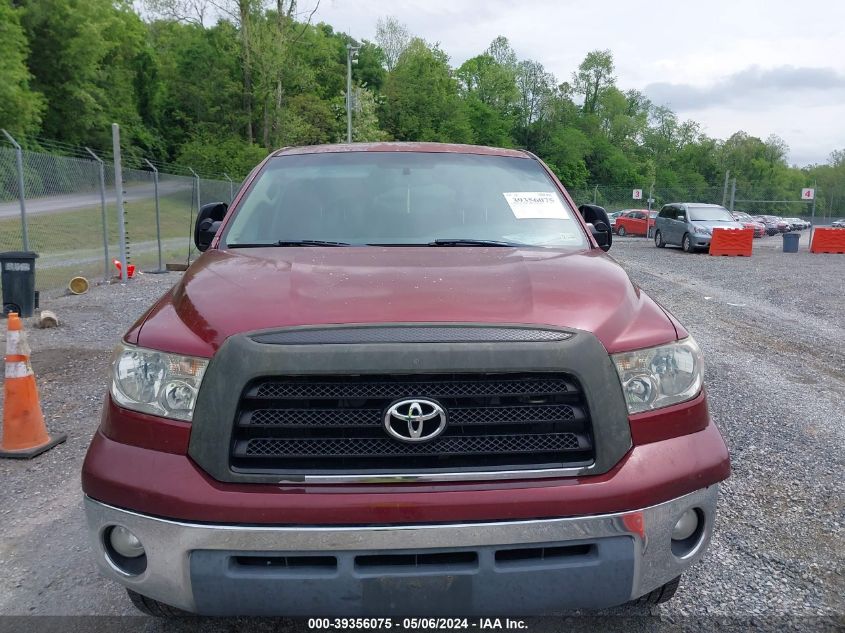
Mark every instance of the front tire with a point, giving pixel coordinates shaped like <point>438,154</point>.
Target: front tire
<point>686,244</point>
<point>658,240</point>
<point>157,609</point>
<point>661,594</point>
<point>621,231</point>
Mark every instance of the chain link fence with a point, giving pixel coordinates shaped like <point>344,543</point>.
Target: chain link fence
<point>71,216</point>
<point>752,200</point>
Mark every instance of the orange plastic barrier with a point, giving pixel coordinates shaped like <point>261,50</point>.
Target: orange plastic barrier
<point>736,242</point>
<point>24,433</point>
<point>828,240</point>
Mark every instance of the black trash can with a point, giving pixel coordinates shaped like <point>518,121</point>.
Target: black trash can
<point>790,242</point>
<point>18,278</point>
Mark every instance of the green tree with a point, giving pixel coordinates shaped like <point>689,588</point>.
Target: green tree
<point>20,106</point>
<point>536,93</point>
<point>211,154</point>
<point>393,38</point>
<point>199,72</point>
<point>84,55</point>
<point>421,98</point>
<point>594,76</point>
<point>492,97</point>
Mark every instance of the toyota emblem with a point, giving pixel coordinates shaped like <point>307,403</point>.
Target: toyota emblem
<point>415,420</point>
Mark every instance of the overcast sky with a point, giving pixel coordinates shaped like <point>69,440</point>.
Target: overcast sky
<point>765,67</point>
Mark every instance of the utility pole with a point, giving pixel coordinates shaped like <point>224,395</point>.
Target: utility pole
<point>351,57</point>
<point>725,190</point>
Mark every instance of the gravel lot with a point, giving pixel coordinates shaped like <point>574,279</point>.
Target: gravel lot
<point>771,327</point>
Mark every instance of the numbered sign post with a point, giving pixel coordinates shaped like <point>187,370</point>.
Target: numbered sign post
<point>638,194</point>
<point>809,194</point>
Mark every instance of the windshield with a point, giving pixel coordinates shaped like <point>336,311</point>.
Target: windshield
<point>399,198</point>
<point>710,214</point>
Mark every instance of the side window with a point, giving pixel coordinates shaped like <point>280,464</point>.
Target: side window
<point>665,212</point>
<point>682,215</point>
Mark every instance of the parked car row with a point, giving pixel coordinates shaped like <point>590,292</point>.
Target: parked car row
<point>640,221</point>
<point>775,224</point>
<point>797,224</point>
<point>750,222</point>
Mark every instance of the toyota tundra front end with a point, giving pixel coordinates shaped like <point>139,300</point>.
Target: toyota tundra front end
<point>403,379</point>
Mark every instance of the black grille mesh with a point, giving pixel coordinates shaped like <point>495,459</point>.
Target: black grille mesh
<point>335,424</point>
<point>375,417</point>
<point>365,447</point>
<point>279,389</point>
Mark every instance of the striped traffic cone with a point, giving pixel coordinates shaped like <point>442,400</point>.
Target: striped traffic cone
<point>24,434</point>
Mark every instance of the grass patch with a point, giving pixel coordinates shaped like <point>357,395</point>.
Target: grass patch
<point>70,243</point>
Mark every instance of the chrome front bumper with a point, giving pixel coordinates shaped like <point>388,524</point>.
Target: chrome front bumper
<point>169,576</point>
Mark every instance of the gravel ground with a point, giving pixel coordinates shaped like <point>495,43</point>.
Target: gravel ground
<point>771,327</point>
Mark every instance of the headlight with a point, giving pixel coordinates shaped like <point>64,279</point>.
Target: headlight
<point>703,230</point>
<point>660,376</point>
<point>156,382</point>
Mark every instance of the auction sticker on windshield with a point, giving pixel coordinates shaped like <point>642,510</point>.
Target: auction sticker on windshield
<point>535,205</point>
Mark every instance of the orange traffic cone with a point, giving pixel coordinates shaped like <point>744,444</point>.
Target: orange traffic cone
<point>24,433</point>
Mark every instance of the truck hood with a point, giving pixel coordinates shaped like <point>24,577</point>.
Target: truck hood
<point>229,292</point>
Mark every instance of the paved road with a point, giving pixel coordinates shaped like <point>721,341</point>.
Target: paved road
<point>771,329</point>
<point>69,202</point>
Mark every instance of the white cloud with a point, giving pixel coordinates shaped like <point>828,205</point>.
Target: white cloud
<point>696,45</point>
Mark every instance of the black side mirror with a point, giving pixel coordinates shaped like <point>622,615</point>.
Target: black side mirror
<point>597,217</point>
<point>208,221</point>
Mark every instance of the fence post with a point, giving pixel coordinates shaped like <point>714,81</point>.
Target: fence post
<point>813,214</point>
<point>191,211</point>
<point>106,268</point>
<point>21,192</point>
<point>231,187</point>
<point>733,194</point>
<point>161,268</point>
<point>118,187</point>
<point>595,195</point>
<point>197,179</point>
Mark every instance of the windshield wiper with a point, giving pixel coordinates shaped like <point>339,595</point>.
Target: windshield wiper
<point>471,242</point>
<point>290,243</point>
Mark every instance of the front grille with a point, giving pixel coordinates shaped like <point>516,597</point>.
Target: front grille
<point>332,425</point>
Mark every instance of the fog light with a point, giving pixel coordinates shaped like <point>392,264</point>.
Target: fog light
<point>125,543</point>
<point>686,525</point>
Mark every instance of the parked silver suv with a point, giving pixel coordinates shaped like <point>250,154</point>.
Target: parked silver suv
<point>690,224</point>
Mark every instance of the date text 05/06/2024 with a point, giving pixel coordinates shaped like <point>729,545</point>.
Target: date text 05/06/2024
<point>435,624</point>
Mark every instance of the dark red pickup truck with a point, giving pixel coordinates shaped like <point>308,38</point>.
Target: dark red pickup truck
<point>403,379</point>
